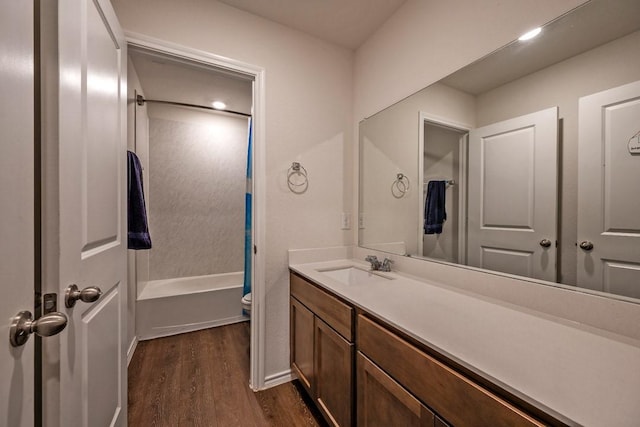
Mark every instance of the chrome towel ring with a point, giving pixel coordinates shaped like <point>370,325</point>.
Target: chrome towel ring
<point>297,179</point>
<point>400,186</point>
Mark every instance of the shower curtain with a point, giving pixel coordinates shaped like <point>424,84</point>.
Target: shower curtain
<point>247,218</point>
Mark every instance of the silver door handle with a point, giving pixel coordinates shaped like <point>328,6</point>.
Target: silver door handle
<point>88,294</point>
<point>23,325</point>
<point>586,245</point>
<point>545,243</point>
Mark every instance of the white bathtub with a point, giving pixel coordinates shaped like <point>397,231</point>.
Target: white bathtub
<point>173,306</point>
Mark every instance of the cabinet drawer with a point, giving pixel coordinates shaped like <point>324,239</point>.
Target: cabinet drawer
<point>334,312</point>
<point>458,399</point>
<point>384,402</point>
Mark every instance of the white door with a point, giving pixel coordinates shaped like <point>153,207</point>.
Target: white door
<point>92,201</point>
<point>608,198</point>
<point>16,207</point>
<point>513,195</point>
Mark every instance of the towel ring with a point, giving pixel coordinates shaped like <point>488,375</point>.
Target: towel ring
<point>297,179</point>
<point>634,146</point>
<point>400,186</point>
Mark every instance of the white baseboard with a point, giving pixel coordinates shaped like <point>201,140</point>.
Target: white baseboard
<point>159,332</point>
<point>132,349</point>
<point>277,379</point>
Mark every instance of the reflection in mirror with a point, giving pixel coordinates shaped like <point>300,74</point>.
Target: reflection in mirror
<point>532,148</point>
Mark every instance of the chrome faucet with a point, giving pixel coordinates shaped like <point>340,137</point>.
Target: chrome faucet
<point>386,265</point>
<point>375,263</point>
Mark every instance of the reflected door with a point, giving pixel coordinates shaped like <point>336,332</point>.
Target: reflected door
<point>92,194</point>
<point>512,208</point>
<point>608,198</point>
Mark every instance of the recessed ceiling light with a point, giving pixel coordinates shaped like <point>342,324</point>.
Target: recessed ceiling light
<point>530,34</point>
<point>219,105</point>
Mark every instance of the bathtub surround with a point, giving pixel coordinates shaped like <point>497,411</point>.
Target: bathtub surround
<point>197,186</point>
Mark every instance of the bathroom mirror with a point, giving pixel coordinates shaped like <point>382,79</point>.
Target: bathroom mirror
<point>531,189</point>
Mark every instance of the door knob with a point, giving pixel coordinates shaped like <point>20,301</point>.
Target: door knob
<point>23,325</point>
<point>88,294</point>
<point>586,245</point>
<point>545,243</point>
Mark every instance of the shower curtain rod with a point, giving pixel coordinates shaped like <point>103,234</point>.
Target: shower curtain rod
<point>140,100</point>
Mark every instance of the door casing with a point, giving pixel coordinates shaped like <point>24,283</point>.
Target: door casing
<point>258,331</point>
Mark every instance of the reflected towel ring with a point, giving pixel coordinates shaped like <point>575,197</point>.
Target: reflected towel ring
<point>297,179</point>
<point>400,186</point>
<point>634,146</point>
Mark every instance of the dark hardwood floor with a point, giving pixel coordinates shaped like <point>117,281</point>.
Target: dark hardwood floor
<point>201,379</point>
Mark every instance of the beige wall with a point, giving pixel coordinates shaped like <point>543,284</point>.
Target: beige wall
<point>308,119</point>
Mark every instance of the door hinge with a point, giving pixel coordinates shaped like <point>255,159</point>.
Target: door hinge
<point>255,249</point>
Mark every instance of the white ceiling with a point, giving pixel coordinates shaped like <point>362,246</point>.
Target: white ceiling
<point>347,23</point>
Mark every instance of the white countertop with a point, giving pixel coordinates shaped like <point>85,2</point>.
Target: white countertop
<point>587,375</point>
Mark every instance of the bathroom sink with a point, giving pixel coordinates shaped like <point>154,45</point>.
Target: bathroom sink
<point>353,275</point>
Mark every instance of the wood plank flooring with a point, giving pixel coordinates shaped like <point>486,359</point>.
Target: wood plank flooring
<point>201,379</point>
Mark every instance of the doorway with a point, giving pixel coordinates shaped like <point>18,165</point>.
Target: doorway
<point>444,147</point>
<point>171,99</point>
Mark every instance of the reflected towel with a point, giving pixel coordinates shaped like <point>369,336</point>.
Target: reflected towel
<point>138,228</point>
<point>434,208</point>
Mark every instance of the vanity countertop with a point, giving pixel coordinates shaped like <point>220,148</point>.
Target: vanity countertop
<point>586,375</point>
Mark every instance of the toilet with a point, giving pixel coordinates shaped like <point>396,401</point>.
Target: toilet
<point>246,303</point>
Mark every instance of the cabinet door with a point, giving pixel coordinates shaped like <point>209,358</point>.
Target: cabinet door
<point>334,376</point>
<point>302,328</point>
<point>383,402</point>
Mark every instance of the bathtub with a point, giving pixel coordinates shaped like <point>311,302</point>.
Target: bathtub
<point>185,304</point>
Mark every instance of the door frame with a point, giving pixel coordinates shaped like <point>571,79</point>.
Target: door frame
<point>462,178</point>
<point>258,332</point>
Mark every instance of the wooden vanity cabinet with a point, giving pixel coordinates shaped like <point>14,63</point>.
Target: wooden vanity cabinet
<point>458,399</point>
<point>322,349</point>
<point>399,382</point>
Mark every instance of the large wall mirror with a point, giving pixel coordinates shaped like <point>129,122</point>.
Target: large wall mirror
<point>533,154</point>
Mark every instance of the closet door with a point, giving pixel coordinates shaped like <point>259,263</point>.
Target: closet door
<point>513,177</point>
<point>608,200</point>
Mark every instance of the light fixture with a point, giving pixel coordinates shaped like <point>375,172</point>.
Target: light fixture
<point>530,34</point>
<point>219,105</point>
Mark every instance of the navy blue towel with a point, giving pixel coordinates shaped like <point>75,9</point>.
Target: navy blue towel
<point>434,209</point>
<point>138,228</point>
